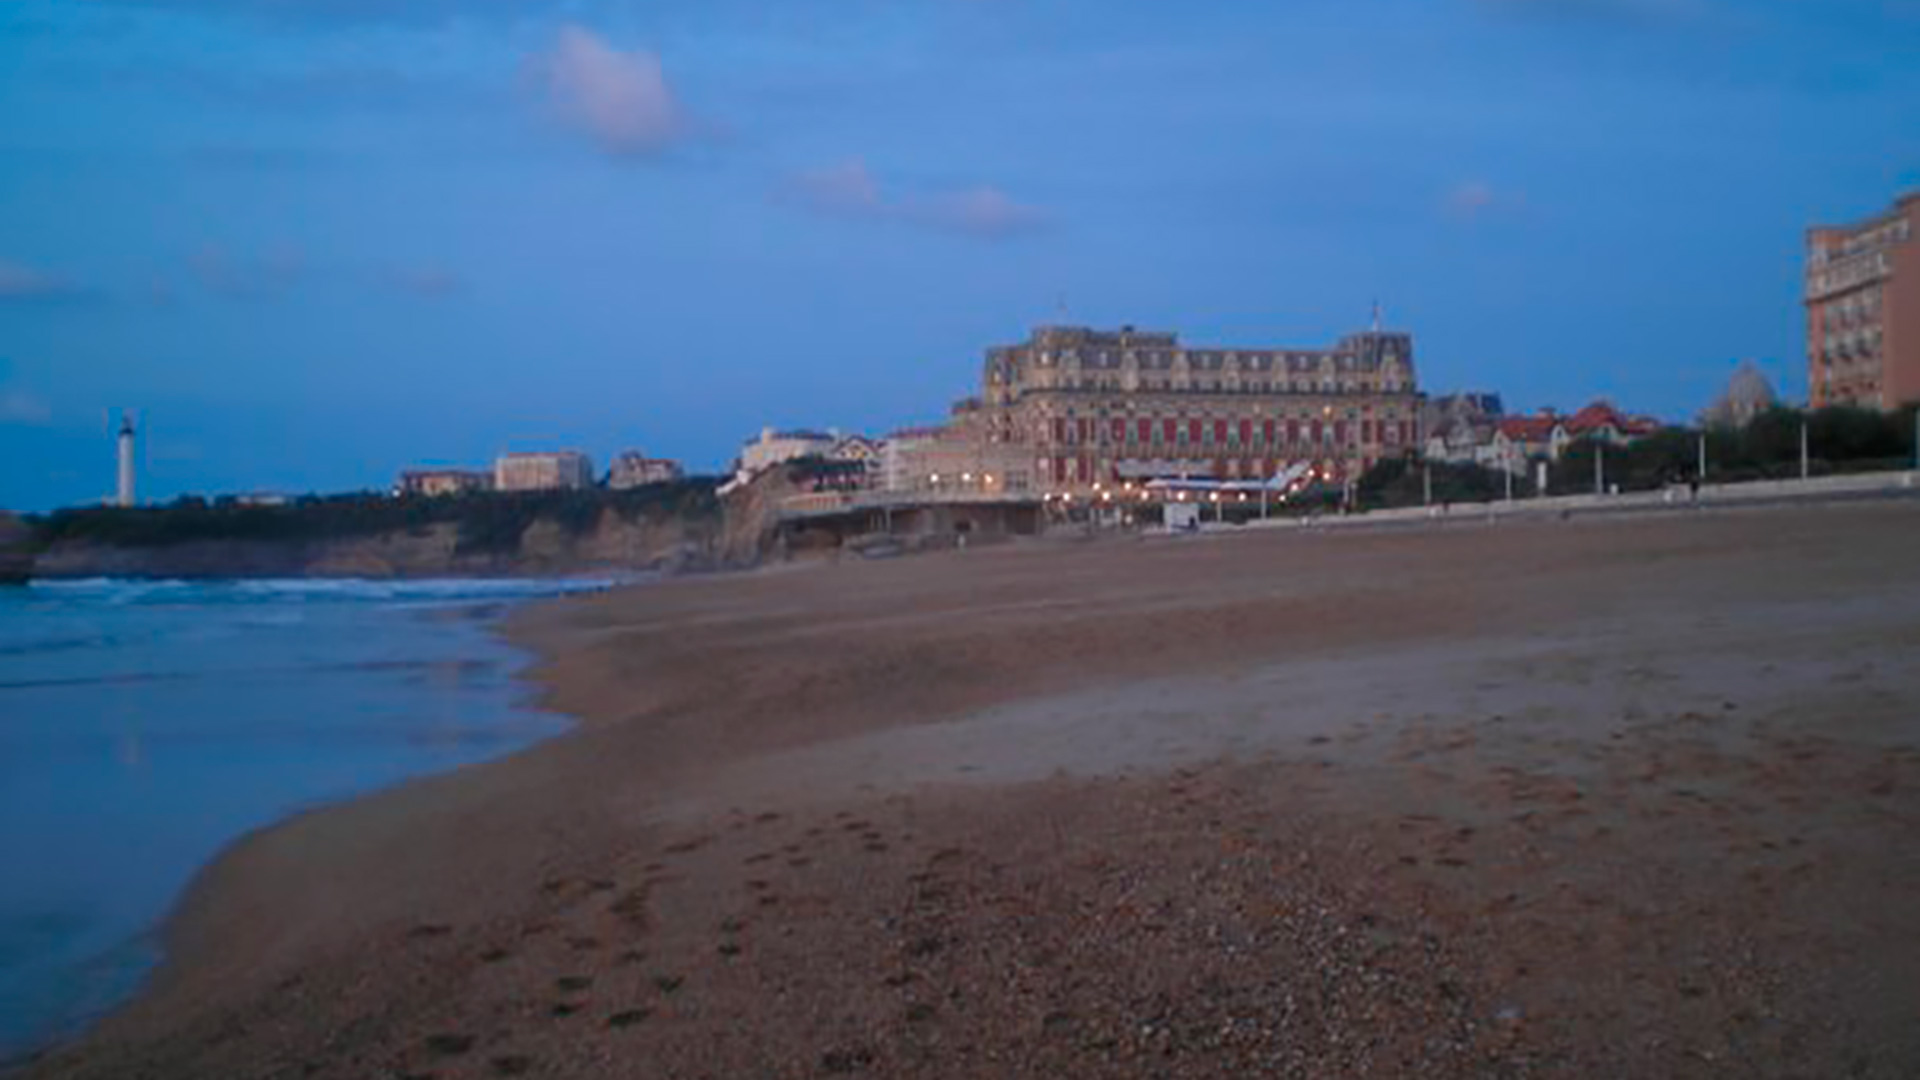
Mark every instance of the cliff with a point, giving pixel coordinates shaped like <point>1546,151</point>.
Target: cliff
<point>16,550</point>
<point>674,528</point>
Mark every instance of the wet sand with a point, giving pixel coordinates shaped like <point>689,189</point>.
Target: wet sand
<point>1629,797</point>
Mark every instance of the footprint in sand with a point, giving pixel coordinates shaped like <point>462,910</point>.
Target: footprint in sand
<point>449,1044</point>
<point>632,907</point>
<point>628,1018</point>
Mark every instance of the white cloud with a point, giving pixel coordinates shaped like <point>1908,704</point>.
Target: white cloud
<point>619,99</point>
<point>849,189</point>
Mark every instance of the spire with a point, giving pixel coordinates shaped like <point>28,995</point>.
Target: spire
<point>1376,316</point>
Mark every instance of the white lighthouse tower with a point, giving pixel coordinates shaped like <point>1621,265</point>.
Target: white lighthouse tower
<point>124,494</point>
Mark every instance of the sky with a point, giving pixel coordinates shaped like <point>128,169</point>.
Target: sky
<point>313,242</point>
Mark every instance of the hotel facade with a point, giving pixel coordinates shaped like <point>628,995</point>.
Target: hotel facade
<point>1863,310</point>
<point>1089,407</point>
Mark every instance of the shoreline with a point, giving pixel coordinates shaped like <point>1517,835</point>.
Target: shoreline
<point>444,601</point>
<point>712,712</point>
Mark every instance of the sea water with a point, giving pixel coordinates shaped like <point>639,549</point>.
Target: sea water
<point>146,725</point>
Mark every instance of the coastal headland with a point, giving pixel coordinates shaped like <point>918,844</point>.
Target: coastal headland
<point>1627,796</point>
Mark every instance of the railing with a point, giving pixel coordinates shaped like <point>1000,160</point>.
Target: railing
<point>841,502</point>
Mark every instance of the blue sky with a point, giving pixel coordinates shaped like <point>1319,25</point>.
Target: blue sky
<point>316,241</point>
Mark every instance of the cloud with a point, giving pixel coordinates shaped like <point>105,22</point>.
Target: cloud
<point>982,211</point>
<point>847,188</point>
<point>1474,200</point>
<point>1614,11</point>
<point>850,190</point>
<point>20,407</point>
<point>619,99</point>
<point>17,406</point>
<point>343,11</point>
<point>21,284</point>
<point>430,281</point>
<point>247,277</point>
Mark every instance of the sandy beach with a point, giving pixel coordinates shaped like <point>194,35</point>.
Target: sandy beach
<point>1600,797</point>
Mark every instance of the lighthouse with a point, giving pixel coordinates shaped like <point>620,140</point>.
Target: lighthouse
<point>124,494</point>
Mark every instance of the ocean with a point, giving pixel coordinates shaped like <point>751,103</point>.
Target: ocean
<point>146,725</point>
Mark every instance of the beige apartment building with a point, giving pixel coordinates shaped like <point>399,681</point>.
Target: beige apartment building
<point>1863,310</point>
<point>1084,406</point>
<point>952,459</point>
<point>542,471</point>
<point>774,447</point>
<point>634,469</point>
<point>436,483</point>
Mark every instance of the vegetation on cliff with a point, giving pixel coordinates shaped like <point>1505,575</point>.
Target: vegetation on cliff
<point>16,554</point>
<point>488,522</point>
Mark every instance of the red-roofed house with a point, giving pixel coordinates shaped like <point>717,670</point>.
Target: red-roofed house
<point>1520,439</point>
<point>1602,420</point>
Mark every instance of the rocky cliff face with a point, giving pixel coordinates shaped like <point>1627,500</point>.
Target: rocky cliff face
<point>613,544</point>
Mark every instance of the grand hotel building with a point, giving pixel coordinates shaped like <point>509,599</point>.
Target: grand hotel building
<point>1092,406</point>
